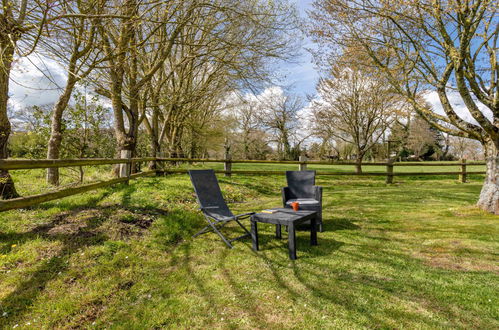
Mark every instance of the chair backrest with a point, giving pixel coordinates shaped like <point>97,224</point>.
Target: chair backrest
<point>301,183</point>
<point>208,193</point>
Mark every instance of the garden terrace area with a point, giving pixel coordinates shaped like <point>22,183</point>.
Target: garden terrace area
<point>414,254</point>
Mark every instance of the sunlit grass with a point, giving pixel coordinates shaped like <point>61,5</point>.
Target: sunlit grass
<point>416,254</point>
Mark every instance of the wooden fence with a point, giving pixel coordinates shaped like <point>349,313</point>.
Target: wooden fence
<point>127,164</point>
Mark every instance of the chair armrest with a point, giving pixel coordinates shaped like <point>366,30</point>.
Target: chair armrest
<point>209,207</point>
<point>318,193</point>
<point>206,210</point>
<point>244,215</point>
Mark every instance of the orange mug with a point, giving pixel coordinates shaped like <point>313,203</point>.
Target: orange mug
<point>295,206</point>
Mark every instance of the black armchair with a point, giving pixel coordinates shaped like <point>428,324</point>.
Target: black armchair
<point>302,189</point>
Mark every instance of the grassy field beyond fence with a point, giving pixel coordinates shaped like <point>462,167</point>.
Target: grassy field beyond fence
<point>416,254</point>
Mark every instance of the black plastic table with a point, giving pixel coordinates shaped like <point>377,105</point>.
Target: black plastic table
<point>285,217</point>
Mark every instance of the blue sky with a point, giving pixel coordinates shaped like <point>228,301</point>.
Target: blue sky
<point>29,86</point>
<point>302,76</point>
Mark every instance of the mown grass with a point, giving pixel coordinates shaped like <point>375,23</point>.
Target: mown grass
<point>416,254</point>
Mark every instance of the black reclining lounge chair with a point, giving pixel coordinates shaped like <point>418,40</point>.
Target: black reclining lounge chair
<point>213,205</point>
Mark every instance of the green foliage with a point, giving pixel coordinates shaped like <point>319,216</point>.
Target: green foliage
<point>31,135</point>
<point>85,127</point>
<point>28,145</point>
<point>86,130</point>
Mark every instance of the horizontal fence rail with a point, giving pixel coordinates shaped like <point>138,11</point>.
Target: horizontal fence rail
<point>126,164</point>
<point>437,164</point>
<point>21,164</point>
<point>310,162</point>
<point>23,202</point>
<point>389,174</point>
<point>26,164</point>
<point>256,161</point>
<point>329,173</point>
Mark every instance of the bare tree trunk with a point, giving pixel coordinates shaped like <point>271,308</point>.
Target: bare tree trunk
<point>358,165</point>
<point>154,134</point>
<point>246,145</point>
<point>489,196</point>
<point>175,146</point>
<point>7,188</point>
<point>54,143</point>
<point>156,152</point>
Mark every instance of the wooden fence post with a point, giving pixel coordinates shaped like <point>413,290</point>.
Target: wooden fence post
<point>463,175</point>
<point>228,165</point>
<point>126,168</point>
<point>302,167</point>
<point>160,165</point>
<point>389,171</point>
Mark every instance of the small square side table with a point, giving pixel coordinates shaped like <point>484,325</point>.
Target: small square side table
<point>285,217</point>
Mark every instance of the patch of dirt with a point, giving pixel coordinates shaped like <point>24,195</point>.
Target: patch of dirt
<point>67,223</point>
<point>459,263</point>
<point>49,251</point>
<point>114,222</point>
<point>89,313</point>
<point>125,285</point>
<point>124,224</point>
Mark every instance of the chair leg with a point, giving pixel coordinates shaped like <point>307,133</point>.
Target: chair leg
<point>211,226</point>
<point>221,236</point>
<point>208,228</point>
<point>244,228</point>
<point>202,231</point>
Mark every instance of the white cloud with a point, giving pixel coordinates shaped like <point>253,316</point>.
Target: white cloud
<point>38,80</point>
<point>35,81</point>
<point>457,104</point>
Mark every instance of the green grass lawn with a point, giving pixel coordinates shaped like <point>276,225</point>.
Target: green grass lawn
<point>347,168</point>
<point>415,254</point>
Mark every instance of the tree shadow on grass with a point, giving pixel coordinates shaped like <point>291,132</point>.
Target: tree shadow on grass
<point>68,204</point>
<point>250,300</point>
<point>261,189</point>
<point>243,297</point>
<point>126,199</point>
<point>306,270</point>
<point>349,289</point>
<point>75,230</point>
<point>337,224</point>
<point>353,288</point>
<point>73,239</point>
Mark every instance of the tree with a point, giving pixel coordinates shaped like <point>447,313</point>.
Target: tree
<point>247,138</point>
<point>356,108</point>
<point>463,148</point>
<point>428,46</point>
<point>143,28</point>
<point>277,114</point>
<point>245,115</point>
<point>21,23</point>
<point>220,49</point>
<point>78,35</point>
<point>87,129</point>
<point>420,137</point>
<point>30,131</point>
